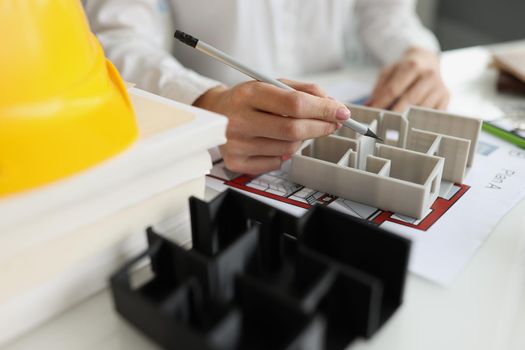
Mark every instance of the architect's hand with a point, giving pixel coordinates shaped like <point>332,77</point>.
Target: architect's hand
<point>267,124</point>
<point>414,80</point>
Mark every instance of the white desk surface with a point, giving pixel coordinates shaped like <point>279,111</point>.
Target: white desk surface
<point>483,309</point>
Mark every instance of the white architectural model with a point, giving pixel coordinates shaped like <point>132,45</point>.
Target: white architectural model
<point>424,149</point>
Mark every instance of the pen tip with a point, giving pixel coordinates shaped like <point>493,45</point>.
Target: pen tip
<point>372,134</point>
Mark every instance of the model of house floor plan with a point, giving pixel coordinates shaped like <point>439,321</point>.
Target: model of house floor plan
<point>424,149</point>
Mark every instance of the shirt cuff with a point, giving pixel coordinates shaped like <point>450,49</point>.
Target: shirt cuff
<point>188,88</point>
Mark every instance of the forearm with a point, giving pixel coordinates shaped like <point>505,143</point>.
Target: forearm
<point>135,35</point>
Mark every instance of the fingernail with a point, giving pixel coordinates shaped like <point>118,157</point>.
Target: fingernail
<point>342,114</point>
<point>339,126</point>
<point>286,157</point>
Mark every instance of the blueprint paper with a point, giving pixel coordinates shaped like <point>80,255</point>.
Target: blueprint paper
<point>444,240</point>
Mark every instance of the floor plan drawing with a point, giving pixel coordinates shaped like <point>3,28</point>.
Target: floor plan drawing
<point>276,185</point>
<point>491,188</point>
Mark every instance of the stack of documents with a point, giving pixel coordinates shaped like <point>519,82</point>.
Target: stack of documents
<point>60,243</point>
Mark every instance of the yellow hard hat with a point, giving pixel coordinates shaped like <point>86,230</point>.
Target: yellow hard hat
<point>63,106</point>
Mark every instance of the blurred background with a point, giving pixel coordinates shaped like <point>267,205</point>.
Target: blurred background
<point>461,23</point>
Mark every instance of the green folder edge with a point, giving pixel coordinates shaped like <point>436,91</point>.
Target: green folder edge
<point>504,134</point>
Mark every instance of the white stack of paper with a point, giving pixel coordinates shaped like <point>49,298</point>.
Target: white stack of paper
<point>60,243</point>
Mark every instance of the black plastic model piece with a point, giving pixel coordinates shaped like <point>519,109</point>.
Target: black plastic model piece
<point>259,278</point>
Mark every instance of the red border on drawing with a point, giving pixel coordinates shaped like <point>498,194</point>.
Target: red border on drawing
<point>439,208</point>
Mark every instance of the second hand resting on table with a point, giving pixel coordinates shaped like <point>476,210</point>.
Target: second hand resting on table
<point>413,80</point>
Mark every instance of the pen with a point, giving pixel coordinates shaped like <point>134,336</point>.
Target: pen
<point>230,61</point>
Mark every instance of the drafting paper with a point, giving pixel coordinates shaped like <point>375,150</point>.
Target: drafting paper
<point>447,237</point>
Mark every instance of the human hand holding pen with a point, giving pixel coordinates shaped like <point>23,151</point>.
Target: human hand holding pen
<point>267,124</point>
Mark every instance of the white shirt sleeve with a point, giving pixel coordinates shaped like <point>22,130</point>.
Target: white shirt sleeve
<point>387,28</point>
<point>135,35</point>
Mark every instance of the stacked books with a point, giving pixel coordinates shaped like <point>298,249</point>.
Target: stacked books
<point>60,243</point>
